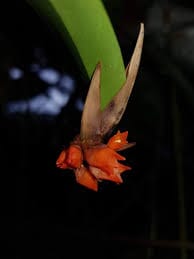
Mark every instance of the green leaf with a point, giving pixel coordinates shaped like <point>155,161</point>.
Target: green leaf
<point>86,28</point>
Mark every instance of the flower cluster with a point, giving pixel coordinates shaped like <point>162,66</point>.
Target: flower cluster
<point>92,163</point>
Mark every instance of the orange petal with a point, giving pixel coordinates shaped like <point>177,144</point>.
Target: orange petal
<point>121,168</point>
<point>104,158</point>
<point>74,156</point>
<point>63,166</point>
<point>128,145</point>
<point>101,175</point>
<point>61,160</point>
<point>118,141</point>
<point>85,178</point>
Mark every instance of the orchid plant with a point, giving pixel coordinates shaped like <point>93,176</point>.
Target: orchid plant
<point>88,156</point>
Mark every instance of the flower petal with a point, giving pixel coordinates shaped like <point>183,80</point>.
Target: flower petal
<point>105,159</point>
<point>101,175</point>
<point>85,178</point>
<point>118,141</point>
<point>121,168</point>
<point>74,156</point>
<point>60,163</point>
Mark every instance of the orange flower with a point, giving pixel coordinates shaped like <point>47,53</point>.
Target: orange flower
<point>71,158</point>
<point>102,161</point>
<point>118,141</point>
<point>105,159</point>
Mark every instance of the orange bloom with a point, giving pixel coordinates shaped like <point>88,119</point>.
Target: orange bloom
<point>105,159</point>
<point>101,161</point>
<point>118,141</point>
<point>71,158</point>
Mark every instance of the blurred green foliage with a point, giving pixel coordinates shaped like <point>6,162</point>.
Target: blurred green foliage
<point>86,28</point>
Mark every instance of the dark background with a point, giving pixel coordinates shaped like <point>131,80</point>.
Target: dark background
<point>43,210</point>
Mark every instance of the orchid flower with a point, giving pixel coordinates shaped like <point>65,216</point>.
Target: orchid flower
<point>88,156</point>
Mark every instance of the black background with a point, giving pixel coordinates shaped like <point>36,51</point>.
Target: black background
<point>43,210</point>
